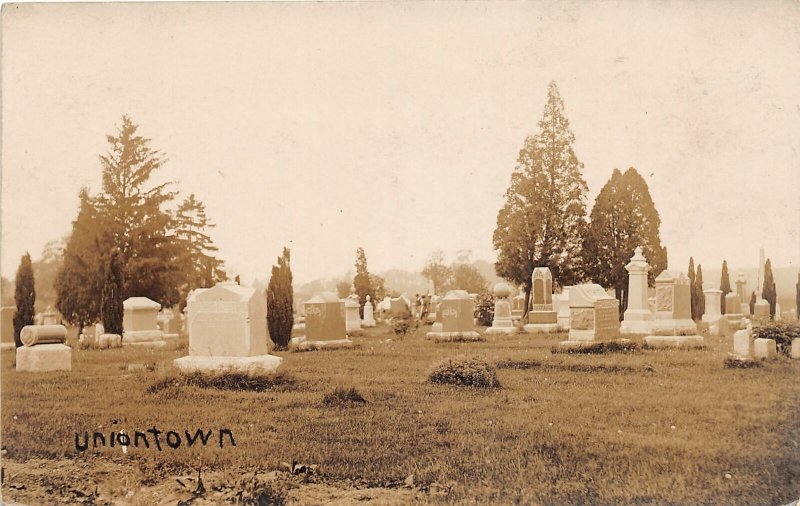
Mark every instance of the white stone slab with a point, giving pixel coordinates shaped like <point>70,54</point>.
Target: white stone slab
<point>44,358</point>
<point>765,349</point>
<point>109,341</point>
<point>259,364</point>
<point>742,344</point>
<point>302,344</point>
<point>796,348</point>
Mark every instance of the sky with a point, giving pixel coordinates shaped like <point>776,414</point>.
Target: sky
<point>396,126</point>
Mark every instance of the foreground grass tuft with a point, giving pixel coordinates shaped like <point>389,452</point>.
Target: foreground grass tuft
<point>518,364</point>
<point>599,348</point>
<point>239,382</point>
<point>469,372</point>
<point>343,397</point>
<point>738,363</point>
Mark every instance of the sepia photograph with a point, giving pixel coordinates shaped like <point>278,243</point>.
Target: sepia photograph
<point>384,252</point>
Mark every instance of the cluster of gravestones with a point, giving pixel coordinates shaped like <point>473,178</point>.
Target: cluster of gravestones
<point>228,331</point>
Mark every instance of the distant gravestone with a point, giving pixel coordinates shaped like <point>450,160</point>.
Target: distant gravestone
<point>733,310</point>
<point>562,312</point>
<point>43,349</point>
<point>518,306</point>
<point>7,327</point>
<point>765,349</point>
<point>399,306</point>
<point>594,315</point>
<point>743,342</point>
<point>541,317</point>
<point>369,319</point>
<point>352,317</point>
<point>325,324</point>
<point>458,323</point>
<point>502,322</point>
<point>637,318</point>
<point>761,310</point>
<point>50,317</point>
<point>433,308</point>
<point>229,332</point>
<point>713,312</point>
<point>673,325</point>
<point>140,322</point>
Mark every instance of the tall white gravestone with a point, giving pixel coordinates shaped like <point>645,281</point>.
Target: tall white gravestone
<point>228,332</point>
<point>502,322</point>
<point>637,318</point>
<point>542,317</point>
<point>369,318</point>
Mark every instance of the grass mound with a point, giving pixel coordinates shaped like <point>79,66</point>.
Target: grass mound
<point>279,382</point>
<point>518,364</point>
<point>470,372</point>
<point>599,348</point>
<point>536,364</point>
<point>738,363</point>
<point>343,397</point>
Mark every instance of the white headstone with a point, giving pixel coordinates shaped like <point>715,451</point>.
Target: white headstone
<point>765,349</point>
<point>638,319</point>
<point>369,319</point>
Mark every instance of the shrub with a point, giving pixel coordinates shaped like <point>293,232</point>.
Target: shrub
<point>470,372</point>
<point>343,397</point>
<point>255,491</point>
<point>738,363</point>
<point>404,323</point>
<point>518,364</point>
<point>484,309</point>
<point>781,332</point>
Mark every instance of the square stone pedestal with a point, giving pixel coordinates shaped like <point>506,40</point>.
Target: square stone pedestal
<point>765,349</point>
<point>260,364</point>
<point>502,328</point>
<point>44,358</point>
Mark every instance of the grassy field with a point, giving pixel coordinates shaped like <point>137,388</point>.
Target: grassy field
<point>643,427</point>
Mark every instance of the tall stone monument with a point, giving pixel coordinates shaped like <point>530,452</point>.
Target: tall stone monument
<point>352,317</point>
<point>502,323</point>
<point>718,323</point>
<point>542,317</point>
<point>228,332</point>
<point>637,318</point>
<point>673,325</point>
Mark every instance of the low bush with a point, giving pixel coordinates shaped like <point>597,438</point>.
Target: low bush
<point>599,348</point>
<point>404,323</point>
<point>738,363</point>
<point>781,332</point>
<point>343,397</point>
<point>484,309</point>
<point>278,382</point>
<point>518,364</point>
<point>470,372</point>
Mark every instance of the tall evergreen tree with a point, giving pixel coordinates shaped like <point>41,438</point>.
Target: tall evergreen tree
<point>133,218</point>
<point>768,290</point>
<point>692,289</point>
<point>361,280</point>
<point>701,297</point>
<point>544,216</point>
<point>623,217</point>
<point>111,301</point>
<point>280,300</point>
<point>24,297</point>
<point>78,283</point>
<point>200,267</point>
<point>724,286</point>
<point>753,302</point>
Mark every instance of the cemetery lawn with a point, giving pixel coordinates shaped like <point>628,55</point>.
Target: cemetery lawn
<point>644,427</point>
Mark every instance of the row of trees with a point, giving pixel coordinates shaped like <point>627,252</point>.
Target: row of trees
<point>461,274</point>
<point>543,220</point>
<point>161,253</point>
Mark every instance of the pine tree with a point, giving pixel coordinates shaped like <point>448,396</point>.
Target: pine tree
<point>623,217</point>
<point>701,297</point>
<point>692,288</point>
<point>111,302</point>
<point>724,286</point>
<point>24,297</point>
<point>768,290</point>
<point>544,216</point>
<point>133,219</point>
<point>78,283</point>
<point>280,300</point>
<point>201,269</point>
<point>361,281</point>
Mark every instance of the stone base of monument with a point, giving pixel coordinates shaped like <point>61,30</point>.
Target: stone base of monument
<point>109,341</point>
<point>637,327</point>
<point>139,336</point>
<point>146,344</point>
<point>252,366</point>
<point>168,337</point>
<point>692,341</point>
<point>455,337</point>
<point>720,328</point>
<point>577,345</point>
<point>735,321</point>
<point>765,349</point>
<point>505,327</point>
<point>302,344</point>
<point>542,317</point>
<point>44,358</point>
<point>7,346</point>
<point>368,323</point>
<point>542,328</point>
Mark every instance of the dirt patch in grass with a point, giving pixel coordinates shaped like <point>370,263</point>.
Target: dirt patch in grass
<point>279,382</point>
<point>343,397</point>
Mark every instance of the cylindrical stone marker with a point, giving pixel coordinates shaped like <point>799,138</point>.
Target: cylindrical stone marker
<point>32,335</point>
